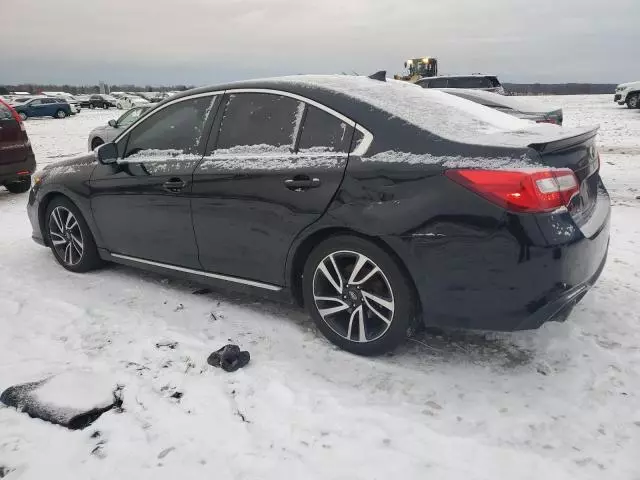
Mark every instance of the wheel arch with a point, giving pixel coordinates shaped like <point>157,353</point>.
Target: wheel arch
<point>46,201</point>
<point>304,248</point>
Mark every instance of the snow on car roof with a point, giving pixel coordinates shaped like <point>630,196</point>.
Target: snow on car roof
<point>445,115</point>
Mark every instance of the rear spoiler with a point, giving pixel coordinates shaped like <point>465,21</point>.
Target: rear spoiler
<point>566,142</point>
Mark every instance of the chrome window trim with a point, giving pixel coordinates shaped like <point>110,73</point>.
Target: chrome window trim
<point>360,149</point>
<point>217,276</point>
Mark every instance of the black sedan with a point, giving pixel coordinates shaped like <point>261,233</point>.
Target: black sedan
<point>97,101</point>
<point>375,204</point>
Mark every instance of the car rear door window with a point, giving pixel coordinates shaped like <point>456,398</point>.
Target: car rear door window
<point>36,102</point>
<point>258,123</point>
<point>174,132</point>
<point>323,132</point>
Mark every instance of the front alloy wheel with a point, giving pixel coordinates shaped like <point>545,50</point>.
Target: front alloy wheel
<point>634,101</point>
<point>353,296</point>
<point>66,236</point>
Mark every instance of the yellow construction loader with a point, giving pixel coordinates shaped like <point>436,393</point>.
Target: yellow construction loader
<point>419,68</point>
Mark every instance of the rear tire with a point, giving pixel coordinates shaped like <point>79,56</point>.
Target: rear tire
<point>23,116</point>
<point>374,310</point>
<point>96,142</point>
<point>61,114</point>
<point>20,186</point>
<point>92,106</point>
<point>69,237</point>
<point>633,101</point>
<point>105,106</point>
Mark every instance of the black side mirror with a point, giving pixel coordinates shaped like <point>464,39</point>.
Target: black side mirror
<point>112,123</point>
<point>107,153</point>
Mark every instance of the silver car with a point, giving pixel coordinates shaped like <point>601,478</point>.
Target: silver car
<point>525,108</point>
<point>113,128</point>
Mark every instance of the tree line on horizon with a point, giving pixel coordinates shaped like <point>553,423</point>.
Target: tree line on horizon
<point>512,88</point>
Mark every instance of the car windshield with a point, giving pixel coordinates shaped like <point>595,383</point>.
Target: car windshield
<point>437,112</point>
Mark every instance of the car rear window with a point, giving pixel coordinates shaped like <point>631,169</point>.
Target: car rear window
<point>5,113</point>
<point>432,110</point>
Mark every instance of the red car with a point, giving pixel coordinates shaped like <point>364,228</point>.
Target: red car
<point>17,161</point>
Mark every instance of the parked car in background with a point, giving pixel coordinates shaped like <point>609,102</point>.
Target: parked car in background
<point>629,94</point>
<point>42,107</point>
<point>489,83</point>
<point>113,128</point>
<point>524,108</point>
<point>129,101</point>
<point>98,101</point>
<point>17,161</point>
<point>375,204</point>
<point>73,102</point>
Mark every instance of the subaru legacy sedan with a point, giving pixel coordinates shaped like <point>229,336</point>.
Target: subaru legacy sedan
<point>373,203</point>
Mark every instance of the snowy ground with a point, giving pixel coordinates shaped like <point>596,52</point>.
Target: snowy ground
<point>559,403</point>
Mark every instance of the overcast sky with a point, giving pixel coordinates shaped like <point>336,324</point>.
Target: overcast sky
<point>208,41</point>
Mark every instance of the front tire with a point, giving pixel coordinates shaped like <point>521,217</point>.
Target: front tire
<point>92,106</point>
<point>633,101</point>
<point>20,186</point>
<point>69,237</point>
<point>358,296</point>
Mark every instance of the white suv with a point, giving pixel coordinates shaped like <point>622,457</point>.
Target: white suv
<point>628,93</point>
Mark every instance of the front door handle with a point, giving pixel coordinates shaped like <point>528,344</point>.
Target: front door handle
<point>174,185</point>
<point>301,182</point>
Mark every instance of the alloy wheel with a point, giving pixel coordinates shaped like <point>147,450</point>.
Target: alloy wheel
<point>353,296</point>
<point>66,236</point>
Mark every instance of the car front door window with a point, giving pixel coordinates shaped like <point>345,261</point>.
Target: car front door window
<point>129,117</point>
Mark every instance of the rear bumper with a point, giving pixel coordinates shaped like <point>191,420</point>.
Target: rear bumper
<point>526,271</point>
<point>9,172</point>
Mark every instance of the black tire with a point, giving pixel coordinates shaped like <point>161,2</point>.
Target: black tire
<point>379,337</point>
<point>92,106</point>
<point>89,259</point>
<point>96,142</point>
<point>105,106</point>
<point>20,186</point>
<point>23,116</point>
<point>61,114</point>
<point>633,101</point>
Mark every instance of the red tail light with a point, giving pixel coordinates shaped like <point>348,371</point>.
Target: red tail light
<point>15,114</point>
<point>521,190</point>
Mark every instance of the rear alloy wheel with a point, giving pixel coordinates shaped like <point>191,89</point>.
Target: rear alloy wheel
<point>105,106</point>
<point>23,116</point>
<point>633,101</point>
<point>69,237</point>
<point>358,296</point>
<point>61,114</point>
<point>20,186</point>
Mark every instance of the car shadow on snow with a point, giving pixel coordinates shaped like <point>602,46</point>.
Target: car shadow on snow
<point>497,350</point>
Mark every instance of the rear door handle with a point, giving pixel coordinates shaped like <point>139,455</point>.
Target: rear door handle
<point>174,185</point>
<point>301,182</point>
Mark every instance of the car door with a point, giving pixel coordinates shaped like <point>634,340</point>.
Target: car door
<point>50,106</point>
<point>36,108</point>
<point>254,192</point>
<point>141,204</point>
